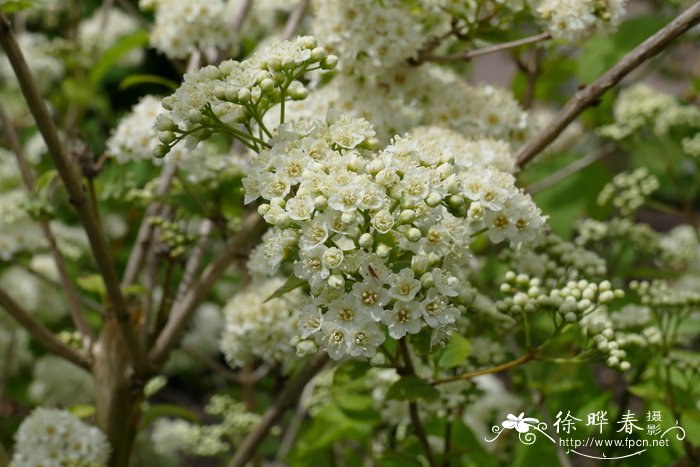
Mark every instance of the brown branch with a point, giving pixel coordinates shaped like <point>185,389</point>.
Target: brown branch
<point>241,15</point>
<point>487,371</point>
<point>295,19</point>
<point>578,164</point>
<point>181,313</point>
<point>73,184</point>
<point>88,302</point>
<point>418,427</point>
<point>41,333</point>
<point>195,259</point>
<point>145,234</point>
<point>591,93</point>
<point>470,54</point>
<point>66,284</point>
<point>285,398</point>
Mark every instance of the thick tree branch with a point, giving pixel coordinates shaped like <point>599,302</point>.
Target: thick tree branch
<point>66,284</point>
<point>295,19</point>
<point>41,333</point>
<point>180,315</point>
<point>591,93</point>
<point>470,54</point>
<point>72,182</point>
<point>286,398</point>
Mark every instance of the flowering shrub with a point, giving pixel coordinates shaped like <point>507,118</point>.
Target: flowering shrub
<point>348,232</point>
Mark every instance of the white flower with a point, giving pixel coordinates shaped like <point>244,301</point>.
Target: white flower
<point>402,319</point>
<point>311,267</point>
<point>371,296</point>
<point>437,311</point>
<point>404,286</point>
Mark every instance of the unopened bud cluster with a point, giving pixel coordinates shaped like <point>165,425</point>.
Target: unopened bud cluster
<point>233,97</point>
<point>629,190</point>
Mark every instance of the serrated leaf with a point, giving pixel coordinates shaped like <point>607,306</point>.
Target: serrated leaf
<point>82,410</point>
<point>133,80</point>
<point>293,282</point>
<point>456,352</point>
<point>92,283</point>
<point>166,410</point>
<point>412,388</point>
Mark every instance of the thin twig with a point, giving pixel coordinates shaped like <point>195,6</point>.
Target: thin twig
<point>71,180</point>
<point>8,361</point>
<point>41,333</point>
<point>145,234</point>
<point>418,427</point>
<point>241,15</point>
<point>289,394</point>
<point>28,178</point>
<point>195,259</point>
<point>572,168</point>
<point>86,301</point>
<point>295,424</point>
<point>181,313</point>
<point>470,54</point>
<point>591,93</point>
<point>295,19</point>
<point>487,371</point>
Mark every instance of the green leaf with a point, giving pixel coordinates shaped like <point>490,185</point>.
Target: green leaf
<point>350,371</point>
<point>412,388</point>
<point>133,289</point>
<point>166,410</point>
<point>112,55</point>
<point>82,410</point>
<point>133,80</point>
<point>456,352</point>
<point>45,179</point>
<point>421,342</point>
<point>13,6</point>
<point>93,283</point>
<point>293,282</point>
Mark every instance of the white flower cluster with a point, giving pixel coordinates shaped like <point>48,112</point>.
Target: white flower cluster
<point>54,438</point>
<point>628,191</point>
<point>640,105</point>
<point>369,37</point>
<point>573,20</point>
<point>136,138</point>
<point>100,35</point>
<point>35,295</point>
<point>227,98</point>
<point>46,68</point>
<point>59,382</point>
<point>691,145</point>
<point>185,26</point>
<point>429,95</point>
<point>256,328</point>
<point>573,301</point>
<point>18,231</point>
<point>375,235</point>
<point>173,436</point>
<point>556,261</point>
